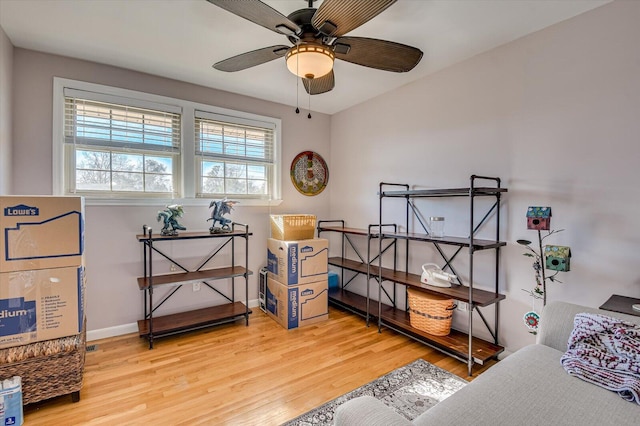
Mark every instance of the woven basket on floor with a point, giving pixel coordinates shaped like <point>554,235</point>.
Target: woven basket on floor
<point>48,369</point>
<point>430,313</point>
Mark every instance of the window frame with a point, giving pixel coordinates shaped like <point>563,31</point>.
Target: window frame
<point>208,118</point>
<point>188,162</point>
<point>121,118</point>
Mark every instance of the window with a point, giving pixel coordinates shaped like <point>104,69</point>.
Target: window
<point>233,158</point>
<point>119,149</point>
<point>117,146</point>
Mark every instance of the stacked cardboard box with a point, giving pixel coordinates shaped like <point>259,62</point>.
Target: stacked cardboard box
<point>296,290</point>
<point>41,268</point>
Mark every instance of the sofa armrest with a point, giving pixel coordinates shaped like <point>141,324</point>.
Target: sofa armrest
<point>367,411</point>
<point>556,322</point>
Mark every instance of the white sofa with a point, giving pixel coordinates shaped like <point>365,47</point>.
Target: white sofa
<point>529,387</point>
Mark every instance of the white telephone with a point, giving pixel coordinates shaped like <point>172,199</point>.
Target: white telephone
<point>433,275</point>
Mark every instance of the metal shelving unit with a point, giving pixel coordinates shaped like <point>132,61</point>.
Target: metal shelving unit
<point>459,344</point>
<point>152,326</point>
<point>364,265</point>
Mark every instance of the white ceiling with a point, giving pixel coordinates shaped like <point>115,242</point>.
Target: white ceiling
<point>181,39</point>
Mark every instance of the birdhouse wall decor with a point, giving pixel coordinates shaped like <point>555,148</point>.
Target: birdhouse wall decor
<point>539,218</point>
<point>545,257</point>
<point>557,258</point>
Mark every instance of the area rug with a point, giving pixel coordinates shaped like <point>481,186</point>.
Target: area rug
<point>410,391</point>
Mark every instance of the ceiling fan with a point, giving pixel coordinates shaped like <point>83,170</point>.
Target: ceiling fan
<point>318,38</point>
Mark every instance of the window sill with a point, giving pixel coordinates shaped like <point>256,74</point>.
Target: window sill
<point>94,201</point>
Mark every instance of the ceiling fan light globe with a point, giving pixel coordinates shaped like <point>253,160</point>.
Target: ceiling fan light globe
<point>310,59</point>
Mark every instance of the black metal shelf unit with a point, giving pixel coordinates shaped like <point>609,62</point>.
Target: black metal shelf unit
<point>459,344</point>
<point>364,265</point>
<point>151,326</point>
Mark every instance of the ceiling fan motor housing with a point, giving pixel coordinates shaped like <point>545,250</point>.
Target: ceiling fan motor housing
<point>303,18</point>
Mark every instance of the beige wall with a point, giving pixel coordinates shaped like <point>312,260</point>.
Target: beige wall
<point>556,115</point>
<point>6,76</point>
<point>113,254</point>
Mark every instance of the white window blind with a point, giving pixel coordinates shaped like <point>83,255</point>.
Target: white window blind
<point>120,146</point>
<point>235,156</point>
<point>123,147</point>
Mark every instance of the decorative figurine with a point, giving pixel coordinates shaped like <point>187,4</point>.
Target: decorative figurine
<point>221,208</point>
<point>170,217</point>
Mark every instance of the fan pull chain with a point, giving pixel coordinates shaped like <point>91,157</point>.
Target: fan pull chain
<point>298,89</point>
<point>297,95</point>
<point>297,85</point>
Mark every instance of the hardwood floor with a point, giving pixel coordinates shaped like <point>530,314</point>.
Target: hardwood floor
<point>232,374</point>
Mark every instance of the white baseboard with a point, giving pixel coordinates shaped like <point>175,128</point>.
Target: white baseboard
<point>120,330</point>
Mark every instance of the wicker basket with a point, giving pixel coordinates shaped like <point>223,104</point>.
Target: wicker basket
<point>48,369</point>
<point>293,227</point>
<point>430,313</point>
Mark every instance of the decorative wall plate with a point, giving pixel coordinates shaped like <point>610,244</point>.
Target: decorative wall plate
<point>309,173</point>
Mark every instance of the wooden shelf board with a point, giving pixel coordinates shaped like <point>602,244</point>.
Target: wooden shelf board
<point>169,324</point>
<point>478,244</point>
<point>458,292</point>
<point>451,192</point>
<point>352,302</point>
<point>191,235</point>
<point>351,265</point>
<point>194,276</point>
<point>346,230</point>
<point>456,343</point>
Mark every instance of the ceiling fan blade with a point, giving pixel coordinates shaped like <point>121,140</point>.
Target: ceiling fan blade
<point>259,13</point>
<point>320,85</point>
<point>251,59</point>
<point>380,54</point>
<point>337,17</point>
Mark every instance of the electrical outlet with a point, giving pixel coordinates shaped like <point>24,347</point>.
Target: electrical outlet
<point>196,286</point>
<point>173,267</point>
<point>463,306</point>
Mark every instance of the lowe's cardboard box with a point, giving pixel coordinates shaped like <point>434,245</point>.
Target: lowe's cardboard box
<point>297,306</point>
<point>297,262</point>
<point>40,232</point>
<point>40,305</point>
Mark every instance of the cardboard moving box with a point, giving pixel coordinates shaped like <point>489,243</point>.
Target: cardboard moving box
<point>40,305</point>
<point>297,262</point>
<point>297,306</point>
<point>41,232</point>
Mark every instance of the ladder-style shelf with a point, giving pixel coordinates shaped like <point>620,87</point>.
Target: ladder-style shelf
<point>152,326</point>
